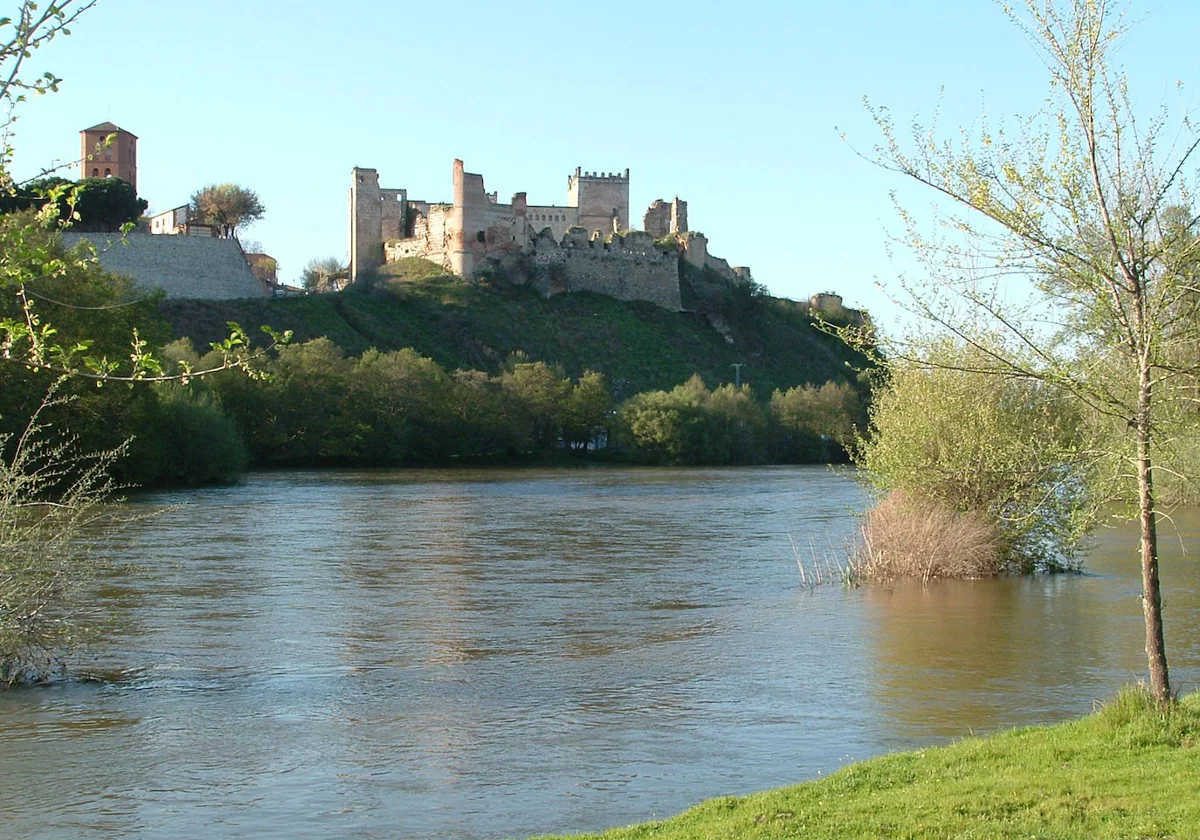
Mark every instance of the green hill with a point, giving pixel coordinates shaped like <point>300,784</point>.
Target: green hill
<point>477,324</point>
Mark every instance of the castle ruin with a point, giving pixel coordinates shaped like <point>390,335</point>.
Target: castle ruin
<point>582,245</point>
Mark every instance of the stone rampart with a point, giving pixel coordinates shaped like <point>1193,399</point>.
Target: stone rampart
<point>202,267</point>
<point>626,268</point>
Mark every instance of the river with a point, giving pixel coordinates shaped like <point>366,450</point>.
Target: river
<point>489,654</point>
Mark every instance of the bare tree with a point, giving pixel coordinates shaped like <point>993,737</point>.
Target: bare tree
<point>320,273</point>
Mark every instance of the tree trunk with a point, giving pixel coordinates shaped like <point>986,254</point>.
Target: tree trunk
<point>1156,651</point>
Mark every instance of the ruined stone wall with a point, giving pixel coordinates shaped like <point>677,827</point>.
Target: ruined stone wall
<point>559,219</point>
<point>430,237</point>
<point>664,217</point>
<point>480,225</point>
<point>393,205</point>
<point>657,221</point>
<point>679,219</point>
<point>695,252</point>
<point>627,268</point>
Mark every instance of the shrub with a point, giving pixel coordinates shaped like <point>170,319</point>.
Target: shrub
<point>52,514</point>
<point>1016,452</point>
<point>185,439</point>
<point>910,537</point>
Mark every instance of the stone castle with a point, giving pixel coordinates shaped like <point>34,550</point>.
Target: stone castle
<point>582,245</point>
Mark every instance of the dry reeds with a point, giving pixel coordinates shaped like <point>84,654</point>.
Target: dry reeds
<point>906,537</point>
<point>820,567</point>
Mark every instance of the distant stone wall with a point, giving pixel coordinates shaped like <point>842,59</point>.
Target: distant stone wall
<point>200,267</point>
<point>629,267</point>
<point>695,252</point>
<point>429,239</point>
<point>664,217</point>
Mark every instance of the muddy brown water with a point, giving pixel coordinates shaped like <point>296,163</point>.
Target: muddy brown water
<point>502,653</point>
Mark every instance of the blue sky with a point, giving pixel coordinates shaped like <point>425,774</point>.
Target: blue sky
<point>737,108</point>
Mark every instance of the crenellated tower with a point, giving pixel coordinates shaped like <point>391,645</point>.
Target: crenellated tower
<point>602,200</point>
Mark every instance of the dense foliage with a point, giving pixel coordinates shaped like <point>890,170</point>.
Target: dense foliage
<point>318,406</point>
<point>1014,452</point>
<point>93,204</point>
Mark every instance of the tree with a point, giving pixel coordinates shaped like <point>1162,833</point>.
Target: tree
<point>1083,205</point>
<point>585,416</point>
<point>538,397</point>
<point>320,272</point>
<point>105,204</point>
<point>93,204</point>
<point>692,425</point>
<point>810,424</point>
<point>227,207</point>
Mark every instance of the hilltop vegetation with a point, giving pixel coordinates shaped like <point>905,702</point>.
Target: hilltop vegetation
<point>477,325</point>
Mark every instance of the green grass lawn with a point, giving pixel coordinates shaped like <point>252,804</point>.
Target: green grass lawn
<point>1126,772</point>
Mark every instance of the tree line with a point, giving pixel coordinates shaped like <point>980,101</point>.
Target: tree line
<point>314,405</point>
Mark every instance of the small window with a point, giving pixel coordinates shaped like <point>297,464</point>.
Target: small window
<point>107,173</point>
<point>95,173</point>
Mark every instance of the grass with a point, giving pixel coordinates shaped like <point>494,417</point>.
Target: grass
<point>462,324</point>
<point>906,537</point>
<point>1128,771</point>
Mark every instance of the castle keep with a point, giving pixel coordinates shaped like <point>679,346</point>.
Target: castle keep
<point>582,245</point>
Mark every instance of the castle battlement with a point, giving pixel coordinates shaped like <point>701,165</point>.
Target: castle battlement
<point>615,177</point>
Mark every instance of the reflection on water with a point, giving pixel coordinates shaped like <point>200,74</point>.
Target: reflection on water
<point>493,654</point>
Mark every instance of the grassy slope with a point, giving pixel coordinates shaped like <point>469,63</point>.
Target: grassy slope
<point>458,324</point>
<point>1126,772</point>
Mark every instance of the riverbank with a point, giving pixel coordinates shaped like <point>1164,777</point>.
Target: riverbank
<point>1125,771</point>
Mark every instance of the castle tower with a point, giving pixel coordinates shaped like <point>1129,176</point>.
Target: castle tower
<point>602,199</point>
<point>366,223</point>
<point>458,257</point>
<point>101,158</point>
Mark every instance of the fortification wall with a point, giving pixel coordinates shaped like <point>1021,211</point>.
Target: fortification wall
<point>627,268</point>
<point>430,238</point>
<point>558,219</point>
<point>695,252</point>
<point>392,207</point>
<point>663,217</point>
<point>657,221</point>
<point>201,267</point>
